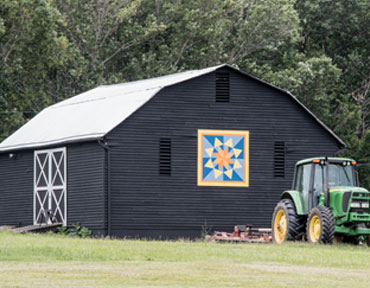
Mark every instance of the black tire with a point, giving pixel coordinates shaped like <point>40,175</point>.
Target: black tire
<point>295,224</point>
<point>326,222</point>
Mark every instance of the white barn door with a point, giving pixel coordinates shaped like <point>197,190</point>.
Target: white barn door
<point>50,186</point>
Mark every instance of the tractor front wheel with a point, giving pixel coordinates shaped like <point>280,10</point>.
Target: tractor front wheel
<point>286,224</point>
<point>320,226</point>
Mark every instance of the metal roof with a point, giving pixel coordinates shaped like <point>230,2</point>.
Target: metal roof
<point>94,113</point>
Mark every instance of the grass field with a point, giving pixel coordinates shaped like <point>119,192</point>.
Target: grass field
<point>55,261</point>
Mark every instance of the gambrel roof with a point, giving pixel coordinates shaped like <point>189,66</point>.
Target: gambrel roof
<point>94,113</point>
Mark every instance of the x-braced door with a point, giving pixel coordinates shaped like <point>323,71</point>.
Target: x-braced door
<point>50,186</point>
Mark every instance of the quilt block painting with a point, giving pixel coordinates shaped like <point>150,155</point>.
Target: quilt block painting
<point>223,158</point>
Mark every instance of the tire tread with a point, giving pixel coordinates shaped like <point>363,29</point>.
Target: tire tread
<point>327,226</point>
<point>296,223</point>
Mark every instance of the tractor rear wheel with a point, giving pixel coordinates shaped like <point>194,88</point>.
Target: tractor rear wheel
<point>320,226</point>
<point>286,224</point>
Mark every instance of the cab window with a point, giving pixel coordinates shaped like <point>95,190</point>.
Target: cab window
<point>303,183</point>
<point>340,175</point>
<point>319,183</point>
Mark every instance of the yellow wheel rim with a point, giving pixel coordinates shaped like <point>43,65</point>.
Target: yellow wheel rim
<point>280,226</point>
<point>315,229</point>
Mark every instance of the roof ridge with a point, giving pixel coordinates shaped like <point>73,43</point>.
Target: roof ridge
<point>60,105</point>
<point>69,101</point>
<point>165,76</point>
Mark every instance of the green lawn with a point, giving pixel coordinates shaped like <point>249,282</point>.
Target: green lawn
<point>54,261</point>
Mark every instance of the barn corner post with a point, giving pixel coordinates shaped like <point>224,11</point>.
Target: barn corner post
<point>103,143</point>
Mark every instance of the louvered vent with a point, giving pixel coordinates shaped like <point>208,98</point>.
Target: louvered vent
<point>279,159</point>
<point>222,87</point>
<point>165,156</point>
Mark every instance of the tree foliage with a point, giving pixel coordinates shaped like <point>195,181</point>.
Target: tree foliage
<point>317,49</point>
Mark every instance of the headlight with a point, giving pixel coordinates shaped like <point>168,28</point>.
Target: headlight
<point>360,205</point>
<point>356,205</point>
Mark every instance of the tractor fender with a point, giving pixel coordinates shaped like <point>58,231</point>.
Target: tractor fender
<point>295,196</point>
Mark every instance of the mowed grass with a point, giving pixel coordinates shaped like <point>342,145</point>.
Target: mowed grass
<point>53,261</point>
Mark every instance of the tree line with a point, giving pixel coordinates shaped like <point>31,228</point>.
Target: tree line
<point>317,49</point>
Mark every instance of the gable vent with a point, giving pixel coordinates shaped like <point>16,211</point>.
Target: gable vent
<point>222,87</point>
<point>165,156</point>
<point>279,159</point>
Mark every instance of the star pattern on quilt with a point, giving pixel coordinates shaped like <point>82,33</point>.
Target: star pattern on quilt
<point>223,158</point>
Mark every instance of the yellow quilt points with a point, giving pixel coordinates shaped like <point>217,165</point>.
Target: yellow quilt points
<point>237,152</point>
<point>209,164</point>
<point>218,143</point>
<point>229,143</point>
<point>237,164</point>
<point>209,151</point>
<point>217,173</point>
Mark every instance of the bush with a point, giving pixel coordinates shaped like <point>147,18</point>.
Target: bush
<point>75,231</point>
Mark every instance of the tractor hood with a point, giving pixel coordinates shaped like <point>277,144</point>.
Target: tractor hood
<point>347,189</point>
<point>349,205</point>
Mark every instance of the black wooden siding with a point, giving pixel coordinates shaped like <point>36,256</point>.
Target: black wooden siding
<point>87,186</point>
<point>86,196</point>
<point>16,189</point>
<point>145,203</point>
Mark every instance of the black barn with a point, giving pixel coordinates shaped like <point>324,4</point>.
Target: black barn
<point>163,157</point>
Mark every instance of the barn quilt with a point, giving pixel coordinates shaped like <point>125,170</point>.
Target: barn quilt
<point>223,158</point>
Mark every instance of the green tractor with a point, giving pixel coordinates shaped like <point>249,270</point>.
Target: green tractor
<point>325,201</point>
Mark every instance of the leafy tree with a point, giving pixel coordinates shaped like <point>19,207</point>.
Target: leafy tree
<point>340,30</point>
<point>317,49</point>
<point>31,52</point>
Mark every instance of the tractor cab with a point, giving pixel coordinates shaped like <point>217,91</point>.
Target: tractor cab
<point>316,175</point>
<point>324,201</point>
